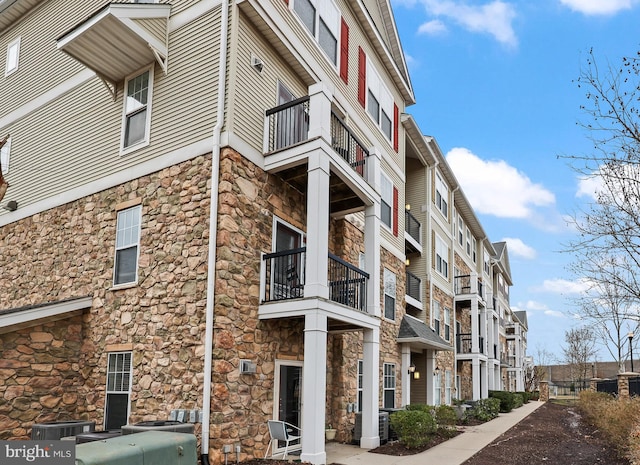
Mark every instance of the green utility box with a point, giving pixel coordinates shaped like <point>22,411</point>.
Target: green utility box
<point>148,448</point>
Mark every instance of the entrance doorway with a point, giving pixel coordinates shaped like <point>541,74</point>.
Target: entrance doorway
<point>288,394</point>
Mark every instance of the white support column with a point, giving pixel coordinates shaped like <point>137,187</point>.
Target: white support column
<point>430,369</point>
<point>371,387</point>
<point>406,376</point>
<point>475,328</point>
<point>314,388</point>
<point>475,374</point>
<point>317,257</point>
<point>372,237</point>
<point>320,112</point>
<point>484,384</point>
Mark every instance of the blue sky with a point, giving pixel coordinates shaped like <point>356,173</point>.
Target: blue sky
<point>494,84</point>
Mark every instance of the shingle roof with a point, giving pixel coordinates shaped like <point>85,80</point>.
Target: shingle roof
<point>416,331</point>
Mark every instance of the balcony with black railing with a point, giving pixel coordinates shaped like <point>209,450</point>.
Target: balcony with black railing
<point>414,287</point>
<point>412,228</point>
<point>464,344</point>
<point>284,279</point>
<point>288,124</point>
<point>348,146</point>
<point>467,284</point>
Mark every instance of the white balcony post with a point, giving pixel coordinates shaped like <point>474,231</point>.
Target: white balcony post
<point>430,369</point>
<point>320,112</point>
<point>475,376</point>
<point>314,388</point>
<point>473,282</point>
<point>484,384</point>
<point>406,375</point>
<point>317,257</point>
<point>372,223</point>
<point>370,389</point>
<point>475,327</point>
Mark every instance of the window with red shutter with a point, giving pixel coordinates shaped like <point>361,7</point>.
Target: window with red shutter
<point>344,51</point>
<point>395,211</point>
<point>396,117</point>
<point>362,77</point>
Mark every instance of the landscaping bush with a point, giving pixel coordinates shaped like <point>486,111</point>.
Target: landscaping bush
<point>507,400</point>
<point>485,409</point>
<point>421,408</point>
<point>526,396</point>
<point>518,400</point>
<point>446,416</point>
<point>414,426</point>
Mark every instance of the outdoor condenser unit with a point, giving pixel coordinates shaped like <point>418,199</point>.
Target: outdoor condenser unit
<point>383,427</point>
<point>60,429</point>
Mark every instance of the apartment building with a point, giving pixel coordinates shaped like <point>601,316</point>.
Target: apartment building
<point>204,217</point>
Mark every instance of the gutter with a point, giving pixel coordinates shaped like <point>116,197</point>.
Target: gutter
<point>213,233</point>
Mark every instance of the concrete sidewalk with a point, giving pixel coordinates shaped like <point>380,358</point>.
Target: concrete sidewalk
<point>452,452</point>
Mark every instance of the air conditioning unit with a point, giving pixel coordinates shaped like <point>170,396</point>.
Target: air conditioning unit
<point>59,429</point>
<point>159,425</point>
<point>383,427</point>
<point>247,367</point>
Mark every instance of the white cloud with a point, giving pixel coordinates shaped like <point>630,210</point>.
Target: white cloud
<point>494,18</point>
<point>433,27</point>
<point>563,286</point>
<point>589,187</point>
<point>496,188</point>
<point>519,249</point>
<point>598,7</point>
<point>534,307</point>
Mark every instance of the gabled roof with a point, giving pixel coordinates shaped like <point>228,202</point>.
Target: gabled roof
<point>417,333</point>
<point>522,316</point>
<point>502,258</point>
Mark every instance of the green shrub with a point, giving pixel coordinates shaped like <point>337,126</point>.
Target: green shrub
<point>518,400</point>
<point>486,409</point>
<point>421,408</point>
<point>446,416</point>
<point>414,426</point>
<point>507,400</point>
<point>526,396</point>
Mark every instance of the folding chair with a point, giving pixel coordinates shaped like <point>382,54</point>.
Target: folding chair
<point>281,431</point>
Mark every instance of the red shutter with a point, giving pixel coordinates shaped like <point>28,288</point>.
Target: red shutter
<point>396,115</point>
<point>362,77</point>
<point>395,211</point>
<point>344,52</point>
<point>287,2</point>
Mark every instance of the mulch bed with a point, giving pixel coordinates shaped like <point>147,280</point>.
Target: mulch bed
<point>396,448</point>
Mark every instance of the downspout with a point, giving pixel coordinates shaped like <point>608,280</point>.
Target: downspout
<point>454,312</point>
<point>213,232</point>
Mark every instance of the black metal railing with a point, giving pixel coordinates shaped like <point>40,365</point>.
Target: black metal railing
<point>284,274</point>
<point>288,124</point>
<point>412,226</point>
<point>495,351</point>
<point>347,284</point>
<point>414,285</point>
<point>464,346</point>
<point>462,285</point>
<point>347,145</point>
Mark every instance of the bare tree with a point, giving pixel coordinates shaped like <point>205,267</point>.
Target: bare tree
<point>579,354</point>
<point>537,371</point>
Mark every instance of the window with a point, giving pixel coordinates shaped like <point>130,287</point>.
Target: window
<point>322,20</point>
<point>447,387</point>
<point>118,390</point>
<point>447,324</point>
<point>436,317</point>
<point>442,196</point>
<point>4,156</point>
<point>389,294</point>
<point>468,242</point>
<point>379,102</point>
<point>386,188</point>
<point>442,257</point>
<point>389,395</point>
<point>137,110</point>
<point>127,245</point>
<point>437,388</point>
<point>13,57</point>
<point>474,247</point>
<point>360,385</point>
<point>460,231</point>
<point>487,262</point>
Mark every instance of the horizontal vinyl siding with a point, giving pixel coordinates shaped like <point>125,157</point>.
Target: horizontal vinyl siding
<point>156,27</point>
<point>42,66</point>
<point>253,93</point>
<point>387,233</point>
<point>177,6</point>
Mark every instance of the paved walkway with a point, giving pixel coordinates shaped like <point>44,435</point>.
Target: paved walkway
<point>455,451</point>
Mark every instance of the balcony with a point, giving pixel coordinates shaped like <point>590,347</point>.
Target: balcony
<point>288,127</point>
<point>412,236</point>
<point>283,279</point>
<point>464,344</point>
<point>413,291</point>
<point>468,284</point>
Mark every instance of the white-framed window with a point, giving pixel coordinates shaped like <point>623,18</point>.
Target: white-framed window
<point>389,294</point>
<point>386,207</point>
<point>360,385</point>
<point>379,101</point>
<point>442,257</point>
<point>447,324</point>
<point>322,20</point>
<point>13,57</point>
<point>5,153</point>
<point>436,317</point>
<point>474,248</point>
<point>389,383</point>
<point>487,261</point>
<point>136,119</point>
<point>468,242</point>
<point>437,388</point>
<point>447,387</point>
<point>460,231</point>
<point>127,245</point>
<point>442,195</point>
<point>118,392</point>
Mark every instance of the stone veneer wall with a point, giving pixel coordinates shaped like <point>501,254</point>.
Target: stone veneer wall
<point>161,318</point>
<point>39,376</point>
